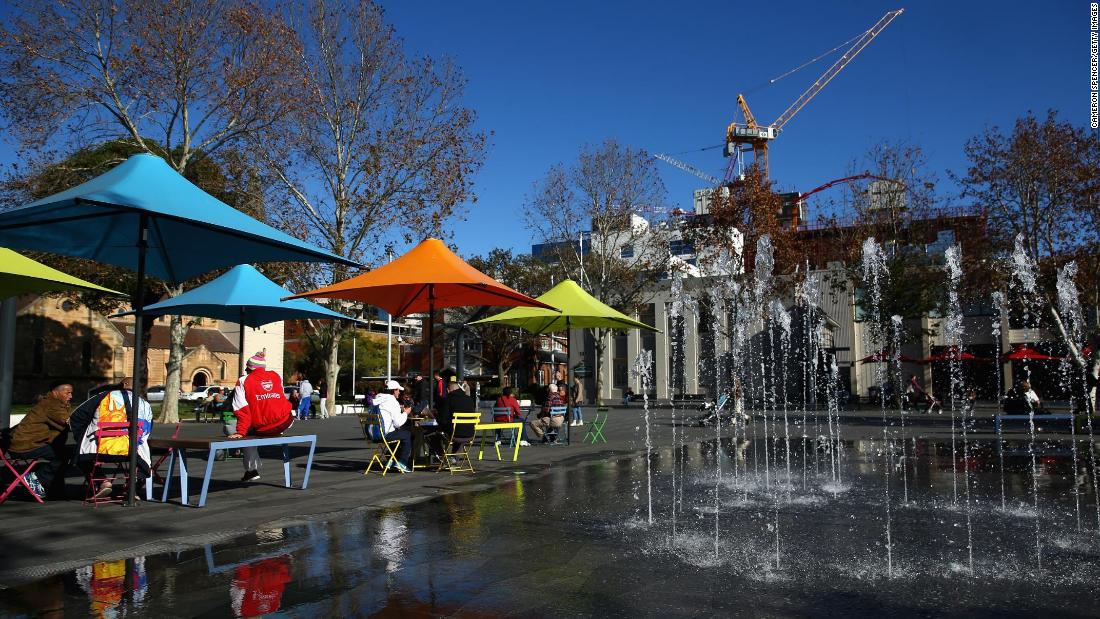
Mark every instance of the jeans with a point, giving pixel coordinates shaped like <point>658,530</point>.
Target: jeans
<point>578,414</point>
<point>55,462</point>
<point>404,450</point>
<point>303,408</point>
<point>57,456</point>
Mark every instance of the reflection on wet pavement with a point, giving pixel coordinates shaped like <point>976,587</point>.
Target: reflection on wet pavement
<point>575,542</point>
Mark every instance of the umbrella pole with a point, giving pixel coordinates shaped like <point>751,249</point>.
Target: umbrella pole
<point>431,344</point>
<point>139,353</point>
<point>7,358</point>
<point>569,391</point>
<point>240,347</point>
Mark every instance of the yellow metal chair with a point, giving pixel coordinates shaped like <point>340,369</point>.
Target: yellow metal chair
<point>385,451</point>
<point>458,446</point>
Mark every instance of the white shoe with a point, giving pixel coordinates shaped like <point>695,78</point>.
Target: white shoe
<point>580,423</point>
<point>524,444</point>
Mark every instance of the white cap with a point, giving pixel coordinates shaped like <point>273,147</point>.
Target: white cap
<point>393,384</point>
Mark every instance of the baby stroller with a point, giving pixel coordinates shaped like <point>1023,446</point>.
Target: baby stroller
<point>713,413</point>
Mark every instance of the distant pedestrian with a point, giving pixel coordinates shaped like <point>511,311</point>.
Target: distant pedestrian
<point>305,392</point>
<point>576,397</point>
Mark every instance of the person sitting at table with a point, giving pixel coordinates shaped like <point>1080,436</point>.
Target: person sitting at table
<point>395,416</point>
<point>545,420</point>
<point>509,401</point>
<point>261,408</point>
<point>457,401</point>
<point>111,406</point>
<point>1022,400</point>
<point>43,434</point>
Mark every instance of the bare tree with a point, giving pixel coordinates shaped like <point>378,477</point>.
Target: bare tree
<point>379,150</point>
<point>591,216</point>
<point>1041,184</point>
<point>181,79</point>
<point>502,345</point>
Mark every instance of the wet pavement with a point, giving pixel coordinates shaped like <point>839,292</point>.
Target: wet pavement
<point>566,532</point>
<point>578,541</point>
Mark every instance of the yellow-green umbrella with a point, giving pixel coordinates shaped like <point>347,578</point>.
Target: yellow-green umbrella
<point>21,275</point>
<point>578,310</point>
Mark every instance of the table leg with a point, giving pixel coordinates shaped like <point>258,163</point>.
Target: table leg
<point>168,476</point>
<point>309,463</point>
<point>206,477</point>
<point>515,444</point>
<point>286,465</point>
<point>481,450</point>
<point>183,476</point>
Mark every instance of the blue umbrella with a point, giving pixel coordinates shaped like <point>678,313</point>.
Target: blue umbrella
<point>243,295</point>
<point>145,216</point>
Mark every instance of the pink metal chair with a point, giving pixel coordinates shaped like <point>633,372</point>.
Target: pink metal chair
<point>107,429</point>
<point>15,465</point>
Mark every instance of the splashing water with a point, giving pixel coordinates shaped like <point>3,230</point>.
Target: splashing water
<point>643,372</point>
<point>874,270</point>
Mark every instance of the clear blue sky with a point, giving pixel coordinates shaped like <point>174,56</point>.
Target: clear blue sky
<point>548,77</point>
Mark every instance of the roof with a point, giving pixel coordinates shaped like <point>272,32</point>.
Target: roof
<point>161,337</point>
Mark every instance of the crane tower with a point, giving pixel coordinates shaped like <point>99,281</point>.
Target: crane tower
<point>752,136</point>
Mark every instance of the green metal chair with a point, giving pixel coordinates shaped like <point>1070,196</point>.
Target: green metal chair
<point>595,428</point>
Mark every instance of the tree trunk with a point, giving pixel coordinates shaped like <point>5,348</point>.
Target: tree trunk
<point>500,373</point>
<point>332,370</point>
<point>169,412</point>
<point>601,336</point>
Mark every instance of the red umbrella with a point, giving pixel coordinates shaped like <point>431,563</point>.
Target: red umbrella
<point>885,355</point>
<point>952,354</point>
<point>1021,352</point>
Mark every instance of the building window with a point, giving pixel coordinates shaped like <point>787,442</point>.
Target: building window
<point>86,358</point>
<point>680,247</point>
<point>627,251</point>
<point>38,363</point>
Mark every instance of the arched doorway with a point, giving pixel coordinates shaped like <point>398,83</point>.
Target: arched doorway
<point>199,380</point>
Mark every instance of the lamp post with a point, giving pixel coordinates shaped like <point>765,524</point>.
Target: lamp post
<point>389,332</point>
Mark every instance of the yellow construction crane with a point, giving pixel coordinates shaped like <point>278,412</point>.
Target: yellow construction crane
<point>757,137</point>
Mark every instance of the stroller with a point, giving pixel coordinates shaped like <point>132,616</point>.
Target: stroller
<point>713,413</point>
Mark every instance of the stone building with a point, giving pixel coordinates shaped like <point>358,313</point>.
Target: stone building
<point>57,338</point>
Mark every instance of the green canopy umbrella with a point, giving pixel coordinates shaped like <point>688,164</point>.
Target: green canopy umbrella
<point>21,275</point>
<point>579,310</point>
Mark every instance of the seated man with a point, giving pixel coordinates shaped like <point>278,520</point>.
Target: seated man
<point>457,401</point>
<point>261,409</point>
<point>545,420</point>
<point>1022,400</point>
<point>395,415</point>
<point>43,434</point>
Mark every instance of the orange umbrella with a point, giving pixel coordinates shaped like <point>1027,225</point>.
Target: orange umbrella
<point>430,276</point>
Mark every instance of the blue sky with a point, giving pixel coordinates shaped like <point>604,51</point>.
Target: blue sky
<point>549,77</point>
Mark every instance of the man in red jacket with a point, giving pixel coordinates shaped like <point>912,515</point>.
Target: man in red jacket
<point>261,408</point>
